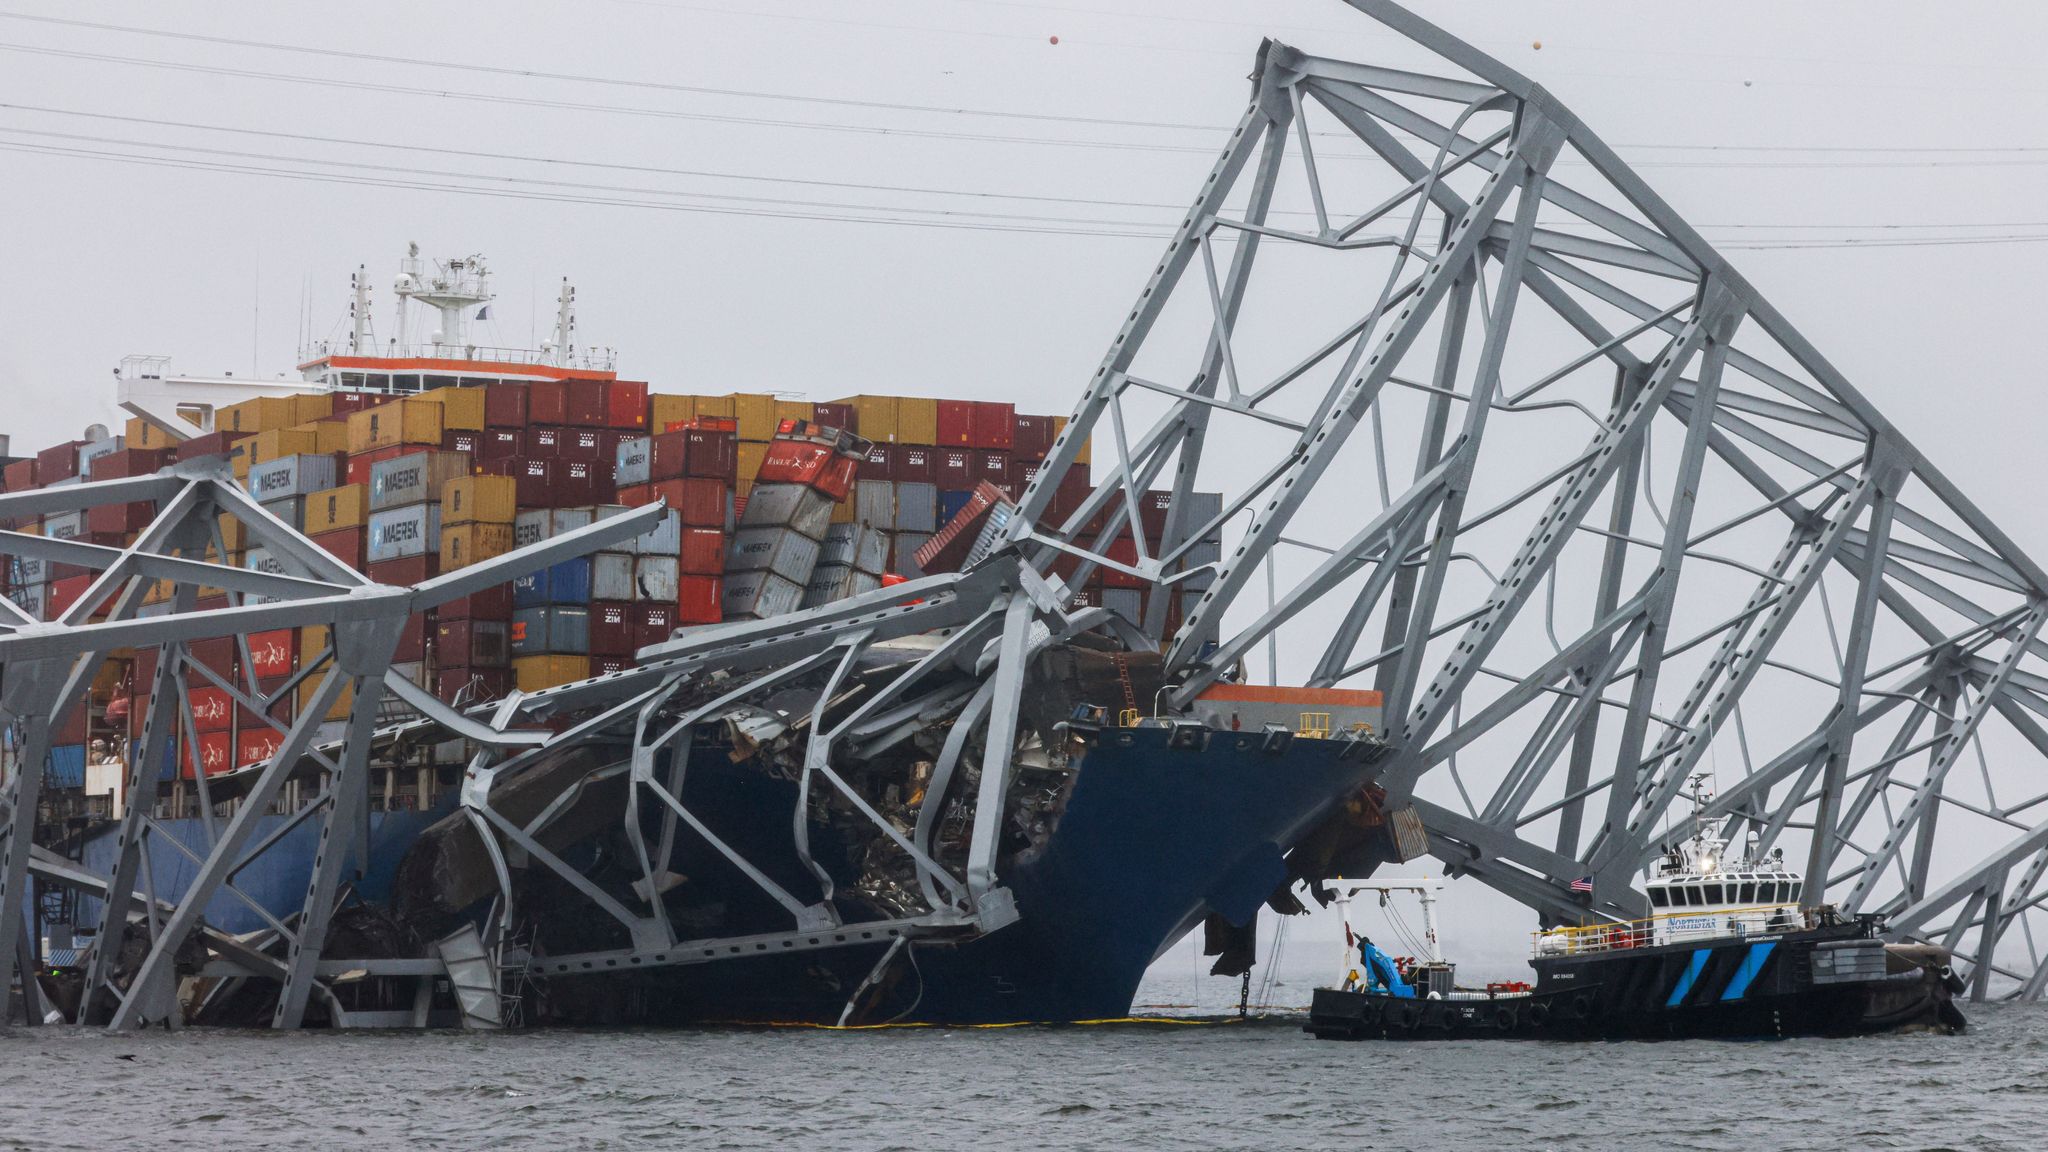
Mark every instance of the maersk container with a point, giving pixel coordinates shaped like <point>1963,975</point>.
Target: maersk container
<point>834,582</point>
<point>291,510</point>
<point>904,562</point>
<point>871,550</point>
<point>65,766</point>
<point>260,560</point>
<point>664,539</point>
<point>601,512</point>
<point>635,461</point>
<point>837,546</point>
<point>655,579</point>
<point>28,570</point>
<point>562,521</point>
<point>568,582</point>
<point>795,506</point>
<point>414,478</point>
<point>611,576</point>
<point>33,597</point>
<point>554,630</point>
<point>874,502</point>
<point>760,595</point>
<point>288,476</point>
<point>787,553</point>
<point>399,533</point>
<point>63,525</point>
<point>917,507</point>
<point>531,526</point>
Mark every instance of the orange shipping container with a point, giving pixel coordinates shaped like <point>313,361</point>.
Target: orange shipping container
<point>533,673</point>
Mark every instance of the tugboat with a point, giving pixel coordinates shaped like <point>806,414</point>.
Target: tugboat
<point>1728,952</point>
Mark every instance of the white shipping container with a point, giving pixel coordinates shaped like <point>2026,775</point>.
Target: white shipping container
<point>1128,603</point>
<point>291,510</point>
<point>797,506</point>
<point>655,579</point>
<point>904,561</point>
<point>786,552</point>
<point>871,550</point>
<point>874,502</point>
<point>664,539</point>
<point>635,460</point>
<point>611,576</point>
<point>29,570</point>
<point>260,560</point>
<point>830,583</point>
<point>564,520</point>
<point>287,476</point>
<point>32,597</point>
<point>95,450</point>
<point>917,507</point>
<point>64,525</point>
<point>760,595</point>
<point>837,546</point>
<point>397,533</point>
<point>531,526</point>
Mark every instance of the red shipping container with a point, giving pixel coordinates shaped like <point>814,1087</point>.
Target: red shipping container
<point>652,624</point>
<point>1032,438</point>
<point>130,462</point>
<point>611,628</point>
<point>634,495</point>
<point>703,552</point>
<point>461,643</point>
<point>64,593</point>
<point>58,462</point>
<point>256,745</point>
<point>1022,473</point>
<point>993,467</point>
<point>793,462</point>
<point>608,445</point>
<point>1123,550</point>
<point>359,464</point>
<point>547,402</point>
<point>344,544</point>
<point>714,454</point>
<point>21,475</point>
<point>119,519</point>
<point>211,444</point>
<point>625,405</point>
<point>493,603</point>
<point>880,463</point>
<point>215,750</point>
<point>505,406</point>
<point>217,653</point>
<point>1072,492</point>
<point>583,482</point>
<point>586,407</point>
<point>483,683</point>
<point>461,440</point>
<point>544,441</point>
<point>412,639</point>
<point>701,502</point>
<point>581,444</point>
<point>915,463</point>
<point>668,457</point>
<point>347,404</point>
<point>275,653</point>
<point>954,471</point>
<point>836,478</point>
<point>606,665</point>
<point>535,487</point>
<point>499,444</point>
<point>405,572</point>
<point>281,710</point>
<point>833,415</point>
<point>956,423</point>
<point>995,426</point>
<point>1152,507</point>
<point>699,599</point>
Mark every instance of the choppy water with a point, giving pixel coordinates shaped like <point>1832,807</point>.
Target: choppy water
<point>1262,1085</point>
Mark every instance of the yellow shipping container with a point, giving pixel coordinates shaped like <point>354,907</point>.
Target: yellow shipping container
<point>462,409</point>
<point>756,413</point>
<point>258,415</point>
<point>876,416</point>
<point>159,591</point>
<point>310,406</point>
<point>917,420</point>
<point>715,406</point>
<point>486,499</point>
<point>331,436</point>
<point>793,410</point>
<point>842,511</point>
<point>399,422</point>
<point>666,410</point>
<point>533,673</point>
<point>750,457</point>
<point>345,507</point>
<point>140,433</point>
<point>473,543</point>
<point>312,639</point>
<point>1059,428</point>
<point>278,443</point>
<point>238,463</point>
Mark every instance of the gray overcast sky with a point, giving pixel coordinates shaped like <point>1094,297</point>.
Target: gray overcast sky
<point>107,258</point>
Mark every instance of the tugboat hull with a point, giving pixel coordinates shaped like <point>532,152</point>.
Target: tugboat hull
<point>1836,981</point>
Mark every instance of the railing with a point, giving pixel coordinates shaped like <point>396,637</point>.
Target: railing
<point>1754,920</point>
<point>1315,725</point>
<point>597,359</point>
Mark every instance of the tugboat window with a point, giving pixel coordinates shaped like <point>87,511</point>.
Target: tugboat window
<point>1658,898</point>
<point>1748,895</point>
<point>1713,894</point>
<point>1692,896</point>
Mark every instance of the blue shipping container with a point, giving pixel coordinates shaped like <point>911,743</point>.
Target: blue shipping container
<point>530,590</point>
<point>569,582</point>
<point>65,767</point>
<point>950,504</point>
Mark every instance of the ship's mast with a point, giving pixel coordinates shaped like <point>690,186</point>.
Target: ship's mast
<point>360,339</point>
<point>560,347</point>
<point>455,286</point>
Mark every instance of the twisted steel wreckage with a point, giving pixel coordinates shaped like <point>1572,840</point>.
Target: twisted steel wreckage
<point>1535,464</point>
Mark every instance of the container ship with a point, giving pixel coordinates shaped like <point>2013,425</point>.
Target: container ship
<point>414,458</point>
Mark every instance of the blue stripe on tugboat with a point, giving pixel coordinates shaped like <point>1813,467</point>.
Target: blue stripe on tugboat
<point>1693,968</point>
<point>1738,984</point>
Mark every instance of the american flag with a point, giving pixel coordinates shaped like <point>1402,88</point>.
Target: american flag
<point>1583,884</point>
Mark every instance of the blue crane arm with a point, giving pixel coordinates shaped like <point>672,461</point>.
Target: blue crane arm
<point>1380,971</point>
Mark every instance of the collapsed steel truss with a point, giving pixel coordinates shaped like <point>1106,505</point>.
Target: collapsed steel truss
<point>1638,501</point>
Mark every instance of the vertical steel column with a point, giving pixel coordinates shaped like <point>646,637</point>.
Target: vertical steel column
<point>28,691</point>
